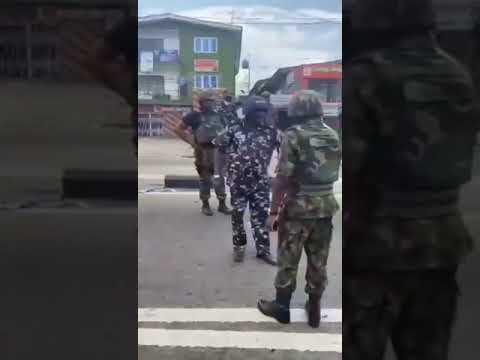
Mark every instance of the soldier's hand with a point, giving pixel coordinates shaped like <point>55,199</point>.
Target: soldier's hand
<point>272,223</point>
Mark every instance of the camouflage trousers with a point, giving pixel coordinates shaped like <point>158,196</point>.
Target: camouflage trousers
<point>414,309</point>
<point>204,163</point>
<point>295,235</point>
<point>257,197</point>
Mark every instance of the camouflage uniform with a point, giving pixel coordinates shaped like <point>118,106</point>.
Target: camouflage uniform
<point>308,166</point>
<point>205,155</point>
<point>306,220</point>
<point>229,113</point>
<point>249,154</point>
<point>409,131</point>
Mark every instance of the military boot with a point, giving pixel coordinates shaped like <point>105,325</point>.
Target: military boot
<point>267,258</point>
<point>223,208</point>
<point>206,210</point>
<point>279,308</point>
<point>312,307</point>
<point>239,253</point>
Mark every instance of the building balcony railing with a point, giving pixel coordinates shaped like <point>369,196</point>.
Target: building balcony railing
<point>153,61</point>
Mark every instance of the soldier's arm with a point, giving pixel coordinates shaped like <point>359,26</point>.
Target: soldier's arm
<point>285,169</point>
<point>181,131</point>
<point>223,139</point>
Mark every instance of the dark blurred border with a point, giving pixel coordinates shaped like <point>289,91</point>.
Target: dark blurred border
<point>458,33</point>
<point>68,258</point>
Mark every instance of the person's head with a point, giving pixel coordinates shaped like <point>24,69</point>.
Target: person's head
<point>256,111</point>
<point>266,95</point>
<point>305,105</point>
<point>206,101</point>
<point>227,97</point>
<point>382,22</point>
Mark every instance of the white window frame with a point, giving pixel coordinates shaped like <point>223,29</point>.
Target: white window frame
<point>204,40</point>
<point>204,78</point>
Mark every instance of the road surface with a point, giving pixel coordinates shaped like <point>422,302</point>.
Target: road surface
<point>196,303</point>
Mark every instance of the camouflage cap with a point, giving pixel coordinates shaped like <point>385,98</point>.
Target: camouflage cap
<point>304,104</point>
<point>392,14</point>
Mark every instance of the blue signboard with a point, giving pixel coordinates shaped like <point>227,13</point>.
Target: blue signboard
<point>169,56</point>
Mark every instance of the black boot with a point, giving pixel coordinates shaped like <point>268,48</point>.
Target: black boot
<point>238,253</point>
<point>312,307</point>
<point>266,257</point>
<point>223,208</point>
<point>279,309</point>
<point>206,210</point>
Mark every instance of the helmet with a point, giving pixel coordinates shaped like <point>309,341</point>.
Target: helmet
<point>256,111</point>
<point>392,14</point>
<point>305,104</point>
<point>255,104</point>
<point>206,96</point>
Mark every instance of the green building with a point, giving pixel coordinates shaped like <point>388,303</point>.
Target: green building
<point>178,55</point>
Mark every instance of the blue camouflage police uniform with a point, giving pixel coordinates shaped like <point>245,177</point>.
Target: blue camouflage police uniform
<point>250,144</point>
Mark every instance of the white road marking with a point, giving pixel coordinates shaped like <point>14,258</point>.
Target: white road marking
<point>319,342</point>
<point>226,315</point>
<point>159,177</point>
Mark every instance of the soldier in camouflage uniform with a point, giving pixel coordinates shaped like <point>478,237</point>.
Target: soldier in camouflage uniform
<point>308,166</point>
<point>206,125</point>
<point>250,146</point>
<point>409,131</point>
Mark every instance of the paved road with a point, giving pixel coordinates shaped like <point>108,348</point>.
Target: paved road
<point>195,303</point>
<point>68,283</point>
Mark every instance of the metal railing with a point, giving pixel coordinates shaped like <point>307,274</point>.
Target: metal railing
<point>150,127</point>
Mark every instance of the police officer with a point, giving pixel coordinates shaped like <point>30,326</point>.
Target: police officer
<point>409,127</point>
<point>250,145</point>
<point>205,125</point>
<point>304,204</point>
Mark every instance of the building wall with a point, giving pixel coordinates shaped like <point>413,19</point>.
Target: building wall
<point>227,49</point>
<point>225,55</point>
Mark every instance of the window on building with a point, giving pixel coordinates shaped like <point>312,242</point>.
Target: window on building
<point>206,45</point>
<point>151,87</point>
<point>206,81</point>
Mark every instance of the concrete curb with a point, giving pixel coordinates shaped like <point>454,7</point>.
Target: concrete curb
<point>181,181</point>
<point>110,184</point>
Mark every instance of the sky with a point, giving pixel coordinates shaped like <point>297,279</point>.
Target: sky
<point>269,47</point>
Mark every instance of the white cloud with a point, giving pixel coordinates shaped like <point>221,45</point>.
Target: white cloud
<point>273,46</point>
<point>149,11</point>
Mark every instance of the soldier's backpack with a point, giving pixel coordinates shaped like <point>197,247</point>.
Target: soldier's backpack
<point>211,125</point>
<point>320,154</point>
